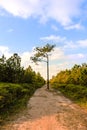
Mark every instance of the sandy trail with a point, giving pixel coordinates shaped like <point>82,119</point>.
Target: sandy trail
<point>49,110</point>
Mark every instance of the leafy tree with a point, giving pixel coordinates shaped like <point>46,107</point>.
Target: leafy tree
<point>29,75</point>
<point>77,75</point>
<point>32,77</point>
<point>11,71</point>
<point>40,54</point>
<point>40,79</point>
<point>2,60</point>
<point>14,61</point>
<point>13,68</point>
<point>2,68</point>
<point>83,74</point>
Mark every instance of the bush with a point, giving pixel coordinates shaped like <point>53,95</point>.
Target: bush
<point>77,93</point>
<point>15,95</point>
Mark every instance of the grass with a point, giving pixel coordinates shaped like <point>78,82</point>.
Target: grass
<point>77,93</point>
<point>14,98</point>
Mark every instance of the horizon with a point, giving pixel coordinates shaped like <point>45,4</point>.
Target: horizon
<point>25,25</point>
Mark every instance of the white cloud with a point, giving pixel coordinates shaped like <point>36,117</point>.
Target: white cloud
<point>77,26</point>
<point>77,56</point>
<point>57,54</point>
<point>63,11</point>
<point>20,7</point>
<point>76,44</point>
<point>70,45</point>
<point>81,55</point>
<point>53,38</point>
<point>56,68</point>
<point>25,59</point>
<point>5,50</point>
<point>66,44</point>
<point>82,43</point>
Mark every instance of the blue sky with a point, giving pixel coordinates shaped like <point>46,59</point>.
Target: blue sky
<point>25,24</point>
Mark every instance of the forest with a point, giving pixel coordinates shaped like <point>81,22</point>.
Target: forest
<point>16,84</point>
<point>72,83</point>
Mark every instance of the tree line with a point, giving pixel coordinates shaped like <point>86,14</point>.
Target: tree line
<point>11,71</point>
<point>73,83</point>
<point>77,75</point>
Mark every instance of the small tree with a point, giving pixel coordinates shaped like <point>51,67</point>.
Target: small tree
<point>40,53</point>
<point>13,68</point>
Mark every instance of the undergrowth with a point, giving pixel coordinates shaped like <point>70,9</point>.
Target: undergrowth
<point>14,98</point>
<point>76,93</point>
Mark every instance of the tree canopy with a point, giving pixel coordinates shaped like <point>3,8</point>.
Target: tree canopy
<point>77,75</point>
<point>11,71</point>
<point>42,52</point>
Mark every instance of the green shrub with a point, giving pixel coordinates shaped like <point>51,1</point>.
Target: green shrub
<point>77,93</point>
<point>15,95</point>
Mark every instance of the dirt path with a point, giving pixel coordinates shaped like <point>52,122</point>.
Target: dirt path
<point>48,110</point>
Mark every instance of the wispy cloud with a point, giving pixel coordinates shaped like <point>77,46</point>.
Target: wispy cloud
<point>64,43</point>
<point>76,44</point>
<point>62,11</point>
<point>26,59</point>
<point>76,56</point>
<point>5,50</point>
<point>82,43</point>
<point>77,26</point>
<point>70,45</point>
<point>53,38</point>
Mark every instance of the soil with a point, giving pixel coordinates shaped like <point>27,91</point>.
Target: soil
<point>49,110</point>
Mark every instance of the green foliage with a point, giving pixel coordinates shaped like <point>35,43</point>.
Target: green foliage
<point>77,93</point>
<point>14,96</point>
<point>77,75</point>
<point>10,93</point>
<point>73,83</point>
<point>41,52</point>
<point>34,78</point>
<point>17,84</point>
<point>29,75</point>
<point>11,71</point>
